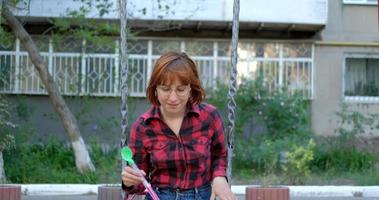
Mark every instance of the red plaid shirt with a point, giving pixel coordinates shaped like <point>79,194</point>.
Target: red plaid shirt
<point>184,162</point>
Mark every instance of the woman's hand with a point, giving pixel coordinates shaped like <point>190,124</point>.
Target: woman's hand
<point>221,189</point>
<point>131,177</point>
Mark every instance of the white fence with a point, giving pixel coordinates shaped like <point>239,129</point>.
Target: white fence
<point>98,74</point>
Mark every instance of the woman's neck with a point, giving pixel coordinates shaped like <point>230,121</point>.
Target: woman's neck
<point>169,116</point>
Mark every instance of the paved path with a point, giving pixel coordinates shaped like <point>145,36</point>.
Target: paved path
<point>240,197</point>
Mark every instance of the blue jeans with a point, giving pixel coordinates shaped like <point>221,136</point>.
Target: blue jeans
<point>200,193</point>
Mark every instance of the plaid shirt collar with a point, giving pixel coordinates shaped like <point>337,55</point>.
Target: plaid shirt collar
<point>155,113</point>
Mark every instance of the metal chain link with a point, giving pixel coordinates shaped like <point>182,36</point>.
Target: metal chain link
<point>124,79</point>
<point>124,74</point>
<point>232,88</point>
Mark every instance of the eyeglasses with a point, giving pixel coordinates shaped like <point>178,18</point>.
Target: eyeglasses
<point>180,91</point>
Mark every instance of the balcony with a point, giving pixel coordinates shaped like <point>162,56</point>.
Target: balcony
<point>255,15</point>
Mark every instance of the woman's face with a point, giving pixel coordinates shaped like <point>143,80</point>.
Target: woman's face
<point>173,97</point>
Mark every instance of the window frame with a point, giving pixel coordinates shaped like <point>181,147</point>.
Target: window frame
<point>360,2</point>
<point>357,99</point>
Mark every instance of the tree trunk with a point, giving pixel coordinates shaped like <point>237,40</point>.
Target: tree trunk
<point>82,159</point>
<point>3,179</point>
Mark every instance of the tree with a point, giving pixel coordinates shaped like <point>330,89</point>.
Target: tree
<point>82,159</point>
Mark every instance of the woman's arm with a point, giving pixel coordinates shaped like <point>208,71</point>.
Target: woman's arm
<point>131,179</point>
<point>220,186</point>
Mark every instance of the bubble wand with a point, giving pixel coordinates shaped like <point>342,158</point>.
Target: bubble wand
<point>127,155</point>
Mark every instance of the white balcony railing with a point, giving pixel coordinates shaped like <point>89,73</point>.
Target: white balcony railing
<point>98,74</point>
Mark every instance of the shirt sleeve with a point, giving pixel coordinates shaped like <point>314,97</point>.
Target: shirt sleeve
<point>140,155</point>
<point>218,148</point>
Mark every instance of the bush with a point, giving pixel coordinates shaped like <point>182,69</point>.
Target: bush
<point>54,162</point>
<point>338,160</point>
<point>6,138</point>
<point>340,153</point>
<point>285,116</point>
<point>287,128</point>
<point>297,166</point>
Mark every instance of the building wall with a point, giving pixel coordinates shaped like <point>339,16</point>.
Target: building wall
<point>350,29</point>
<point>351,23</point>
<point>98,117</point>
<point>328,92</point>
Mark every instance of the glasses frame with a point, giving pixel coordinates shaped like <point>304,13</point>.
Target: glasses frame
<point>167,94</point>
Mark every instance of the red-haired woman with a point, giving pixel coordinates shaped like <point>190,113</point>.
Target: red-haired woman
<point>179,142</point>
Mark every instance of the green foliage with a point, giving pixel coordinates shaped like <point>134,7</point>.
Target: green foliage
<point>297,167</point>
<point>6,37</point>
<point>54,162</point>
<point>352,124</point>
<point>340,153</point>
<point>101,6</point>
<point>283,114</point>
<point>287,121</point>
<point>336,159</point>
<point>6,126</point>
<point>265,158</point>
<point>258,158</point>
<point>108,164</point>
<point>15,2</point>
<point>286,117</point>
<point>370,177</point>
<point>79,27</point>
<point>40,163</point>
<point>255,157</point>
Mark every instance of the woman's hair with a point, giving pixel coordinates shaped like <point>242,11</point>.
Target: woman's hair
<point>171,66</point>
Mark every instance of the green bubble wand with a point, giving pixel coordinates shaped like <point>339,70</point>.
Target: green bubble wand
<point>127,155</point>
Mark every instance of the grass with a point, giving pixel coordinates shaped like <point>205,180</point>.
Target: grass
<point>54,163</point>
<point>366,178</point>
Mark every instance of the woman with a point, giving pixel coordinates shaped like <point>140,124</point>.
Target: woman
<point>179,141</point>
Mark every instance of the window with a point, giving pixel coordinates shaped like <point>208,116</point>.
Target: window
<point>361,79</point>
<point>368,2</point>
